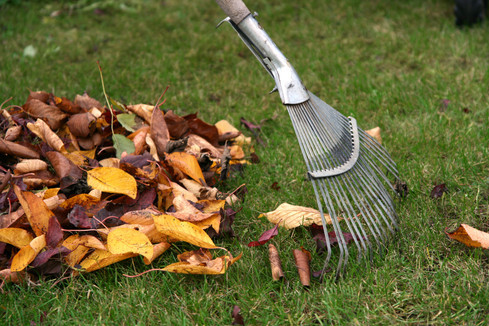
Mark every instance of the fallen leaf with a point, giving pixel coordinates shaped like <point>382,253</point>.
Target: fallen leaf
<point>9,276</point>
<point>30,165</point>
<point>302,258</point>
<point>122,144</point>
<point>292,216</point>
<point>112,180</point>
<point>27,254</point>
<point>265,237</point>
<point>102,258</point>
<point>182,231</point>
<point>275,264</point>
<point>200,262</point>
<point>82,124</point>
<point>124,240</point>
<point>185,211</point>
<point>186,163</point>
<point>159,132</point>
<point>17,150</point>
<point>42,130</point>
<point>375,133</point>
<point>158,250</point>
<point>52,115</point>
<point>438,191</point>
<point>237,318</point>
<point>35,209</point>
<point>16,237</point>
<point>470,236</point>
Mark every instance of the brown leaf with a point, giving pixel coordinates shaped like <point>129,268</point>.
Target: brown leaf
<point>86,102</point>
<point>200,262</point>
<point>52,115</point>
<point>302,259</point>
<point>17,150</point>
<point>203,129</point>
<point>43,131</point>
<point>438,191</point>
<point>177,126</point>
<point>202,145</point>
<point>470,236</point>
<point>68,172</point>
<point>187,212</point>
<point>142,110</point>
<point>13,133</point>
<point>275,263</point>
<point>159,132</point>
<point>66,105</point>
<point>39,95</point>
<point>82,124</point>
<point>30,165</point>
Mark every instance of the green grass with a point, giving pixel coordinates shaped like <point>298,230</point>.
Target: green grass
<point>388,63</point>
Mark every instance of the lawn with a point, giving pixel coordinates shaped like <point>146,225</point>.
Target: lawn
<point>400,65</point>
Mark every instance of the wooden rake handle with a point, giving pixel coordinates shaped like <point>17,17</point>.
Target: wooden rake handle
<point>235,9</point>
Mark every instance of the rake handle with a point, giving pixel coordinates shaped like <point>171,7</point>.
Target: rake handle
<point>235,9</point>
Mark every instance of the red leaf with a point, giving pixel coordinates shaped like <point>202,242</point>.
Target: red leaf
<point>55,234</point>
<point>237,318</point>
<point>438,191</point>
<point>265,237</point>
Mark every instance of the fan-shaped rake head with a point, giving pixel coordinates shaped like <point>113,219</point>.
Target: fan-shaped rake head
<point>346,167</point>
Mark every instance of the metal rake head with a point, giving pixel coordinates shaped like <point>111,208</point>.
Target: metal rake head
<point>346,168</point>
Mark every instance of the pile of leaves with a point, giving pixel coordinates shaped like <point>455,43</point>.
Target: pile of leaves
<point>83,185</point>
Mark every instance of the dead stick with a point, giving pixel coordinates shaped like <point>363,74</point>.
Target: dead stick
<point>275,263</point>
<point>302,264</point>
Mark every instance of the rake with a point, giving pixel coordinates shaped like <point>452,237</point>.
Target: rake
<point>347,168</point>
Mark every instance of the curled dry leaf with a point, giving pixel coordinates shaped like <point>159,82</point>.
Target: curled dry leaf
<point>292,216</point>
<point>200,262</point>
<point>275,263</point>
<point>86,102</point>
<point>112,180</point>
<point>302,258</point>
<point>470,236</point>
<point>187,212</point>
<point>49,113</point>
<point>142,110</point>
<point>159,132</point>
<point>13,133</point>
<point>82,124</point>
<point>43,131</point>
<point>17,150</point>
<point>30,165</point>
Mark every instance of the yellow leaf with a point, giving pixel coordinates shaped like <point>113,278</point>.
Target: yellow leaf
<point>291,216</point>
<point>182,231</point>
<point>35,209</point>
<point>16,237</point>
<point>102,258</point>
<point>470,236</point>
<point>112,180</point>
<point>214,221</point>
<point>125,240</point>
<point>186,163</point>
<point>201,262</point>
<point>143,217</point>
<point>158,250</point>
<point>27,254</point>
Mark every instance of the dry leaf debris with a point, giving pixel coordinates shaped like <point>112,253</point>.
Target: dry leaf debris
<point>83,186</point>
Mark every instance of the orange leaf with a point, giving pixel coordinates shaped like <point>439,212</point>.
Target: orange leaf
<point>85,200</point>
<point>126,240</point>
<point>16,237</point>
<point>112,180</point>
<point>35,209</point>
<point>27,254</point>
<point>186,163</point>
<point>470,236</point>
<point>182,231</point>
